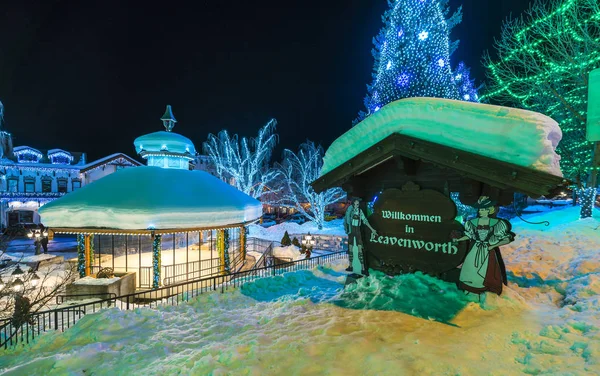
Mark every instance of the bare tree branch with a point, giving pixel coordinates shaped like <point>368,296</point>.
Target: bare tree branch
<point>244,163</point>
<point>297,171</point>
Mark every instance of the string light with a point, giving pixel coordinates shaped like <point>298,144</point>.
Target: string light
<point>81,255</point>
<point>58,156</point>
<point>412,60</point>
<point>156,245</point>
<point>465,85</point>
<point>27,154</point>
<point>559,72</point>
<point>463,212</point>
<point>586,198</point>
<point>226,250</point>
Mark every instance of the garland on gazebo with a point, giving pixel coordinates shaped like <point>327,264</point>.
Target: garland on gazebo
<point>223,248</point>
<point>156,245</point>
<point>81,255</point>
<point>91,251</point>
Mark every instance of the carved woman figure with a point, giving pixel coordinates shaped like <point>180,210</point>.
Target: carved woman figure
<point>483,268</point>
<point>353,219</point>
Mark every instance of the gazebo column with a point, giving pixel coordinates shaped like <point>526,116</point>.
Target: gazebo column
<point>243,243</point>
<point>156,247</point>
<point>88,254</point>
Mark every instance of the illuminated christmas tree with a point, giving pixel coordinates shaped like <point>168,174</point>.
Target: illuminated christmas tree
<point>412,54</point>
<point>544,61</point>
<point>464,84</point>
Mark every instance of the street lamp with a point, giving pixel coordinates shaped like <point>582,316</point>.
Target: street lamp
<point>18,271</point>
<point>17,285</point>
<point>308,240</point>
<point>35,279</point>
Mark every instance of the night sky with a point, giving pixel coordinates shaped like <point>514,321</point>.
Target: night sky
<point>91,76</point>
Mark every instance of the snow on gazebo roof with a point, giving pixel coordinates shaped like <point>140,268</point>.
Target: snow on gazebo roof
<point>164,141</point>
<point>516,136</point>
<point>144,198</point>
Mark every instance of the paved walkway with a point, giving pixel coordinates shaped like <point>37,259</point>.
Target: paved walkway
<point>59,244</point>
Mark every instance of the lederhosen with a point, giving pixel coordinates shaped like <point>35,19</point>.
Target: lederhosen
<point>355,234</point>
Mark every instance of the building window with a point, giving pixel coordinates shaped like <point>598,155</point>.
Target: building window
<point>76,184</point>
<point>25,216</point>
<point>62,186</point>
<point>13,185</point>
<point>46,185</point>
<point>29,186</point>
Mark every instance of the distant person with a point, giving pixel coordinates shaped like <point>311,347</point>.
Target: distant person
<point>44,239</point>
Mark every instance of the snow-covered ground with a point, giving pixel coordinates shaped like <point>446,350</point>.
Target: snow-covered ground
<point>60,243</point>
<point>275,233</point>
<point>304,323</point>
<point>290,252</point>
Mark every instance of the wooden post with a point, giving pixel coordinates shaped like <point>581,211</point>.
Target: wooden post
<point>242,242</point>
<point>88,256</point>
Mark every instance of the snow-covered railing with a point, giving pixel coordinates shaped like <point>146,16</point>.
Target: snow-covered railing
<point>63,318</point>
<point>325,242</point>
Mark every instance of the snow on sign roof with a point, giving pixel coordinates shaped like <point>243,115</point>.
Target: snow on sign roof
<point>520,137</point>
<point>151,197</point>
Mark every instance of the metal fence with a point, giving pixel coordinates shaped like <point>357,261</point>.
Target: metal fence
<point>194,269</point>
<point>64,318</point>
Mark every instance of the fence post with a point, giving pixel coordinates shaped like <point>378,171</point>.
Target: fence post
<point>55,320</point>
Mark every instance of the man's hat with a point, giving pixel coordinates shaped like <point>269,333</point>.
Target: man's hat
<point>484,203</point>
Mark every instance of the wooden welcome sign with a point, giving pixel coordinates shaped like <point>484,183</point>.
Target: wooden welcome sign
<point>415,229</point>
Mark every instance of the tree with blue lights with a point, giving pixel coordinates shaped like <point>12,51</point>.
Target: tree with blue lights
<point>412,55</point>
<point>464,84</point>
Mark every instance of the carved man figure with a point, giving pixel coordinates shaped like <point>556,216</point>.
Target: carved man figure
<point>353,219</point>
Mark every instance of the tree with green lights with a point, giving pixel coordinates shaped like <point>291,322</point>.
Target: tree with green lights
<point>543,65</point>
<point>412,56</point>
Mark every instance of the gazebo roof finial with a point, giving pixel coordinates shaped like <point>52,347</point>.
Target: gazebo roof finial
<point>168,119</point>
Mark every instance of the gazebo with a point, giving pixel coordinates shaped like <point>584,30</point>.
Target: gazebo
<point>168,224</point>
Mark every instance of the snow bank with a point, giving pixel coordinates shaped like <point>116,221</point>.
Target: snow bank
<point>96,281</point>
<point>291,252</point>
<point>22,258</point>
<point>512,135</point>
<point>144,197</point>
<point>275,233</point>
